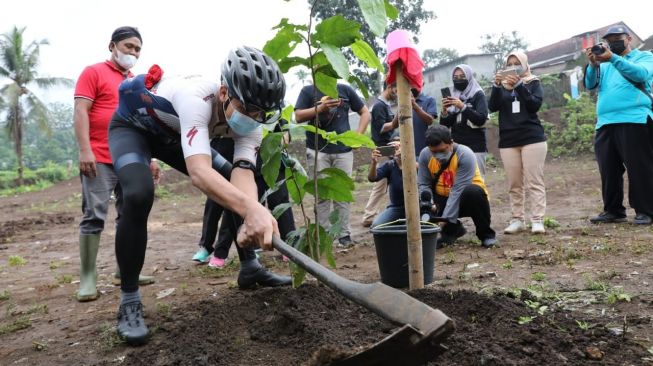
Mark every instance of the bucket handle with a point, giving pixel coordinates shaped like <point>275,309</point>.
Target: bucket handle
<point>390,223</point>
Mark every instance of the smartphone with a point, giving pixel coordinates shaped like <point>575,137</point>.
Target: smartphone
<point>446,92</point>
<point>507,72</point>
<point>386,150</point>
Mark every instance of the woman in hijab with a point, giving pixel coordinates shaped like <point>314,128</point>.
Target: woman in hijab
<point>465,112</point>
<point>517,96</point>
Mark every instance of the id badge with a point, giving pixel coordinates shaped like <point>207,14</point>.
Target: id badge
<point>515,106</point>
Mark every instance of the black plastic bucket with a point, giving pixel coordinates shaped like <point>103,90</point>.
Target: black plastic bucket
<point>391,242</point>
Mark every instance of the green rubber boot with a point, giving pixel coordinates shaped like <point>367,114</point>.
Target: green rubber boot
<point>88,248</point>
<point>142,279</point>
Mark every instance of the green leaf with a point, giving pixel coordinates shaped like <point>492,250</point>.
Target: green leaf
<point>337,31</point>
<point>359,83</point>
<point>310,128</point>
<point>391,11</point>
<point>287,112</point>
<point>326,246</point>
<point>353,139</point>
<point>321,64</point>
<point>365,53</point>
<point>283,43</point>
<point>333,184</point>
<point>288,63</point>
<point>326,84</point>
<point>295,183</point>
<point>271,155</point>
<point>280,209</point>
<point>337,60</point>
<point>374,14</point>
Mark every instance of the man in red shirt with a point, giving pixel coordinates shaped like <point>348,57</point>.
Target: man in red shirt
<point>96,98</point>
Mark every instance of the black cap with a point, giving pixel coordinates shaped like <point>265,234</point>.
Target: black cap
<point>616,29</point>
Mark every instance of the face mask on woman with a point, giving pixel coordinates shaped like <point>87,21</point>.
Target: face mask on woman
<point>460,84</point>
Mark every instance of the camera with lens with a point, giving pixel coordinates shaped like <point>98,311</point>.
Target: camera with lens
<point>598,49</point>
<point>426,206</point>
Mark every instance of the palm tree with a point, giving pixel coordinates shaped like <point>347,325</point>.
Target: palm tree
<point>17,100</point>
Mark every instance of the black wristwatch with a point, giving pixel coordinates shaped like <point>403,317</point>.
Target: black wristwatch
<point>245,164</point>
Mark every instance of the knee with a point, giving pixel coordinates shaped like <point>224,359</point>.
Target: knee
<point>137,186</point>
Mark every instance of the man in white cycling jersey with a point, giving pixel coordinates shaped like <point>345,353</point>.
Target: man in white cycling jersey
<point>173,120</point>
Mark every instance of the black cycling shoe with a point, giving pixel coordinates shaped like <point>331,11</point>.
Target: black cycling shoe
<point>131,325</point>
<point>262,277</point>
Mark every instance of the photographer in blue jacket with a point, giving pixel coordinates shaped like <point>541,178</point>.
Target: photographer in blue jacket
<point>624,130</point>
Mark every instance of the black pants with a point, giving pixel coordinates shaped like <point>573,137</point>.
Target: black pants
<point>474,204</point>
<point>132,149</point>
<point>212,212</point>
<point>626,147</point>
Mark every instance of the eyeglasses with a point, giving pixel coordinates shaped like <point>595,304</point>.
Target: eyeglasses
<point>257,113</point>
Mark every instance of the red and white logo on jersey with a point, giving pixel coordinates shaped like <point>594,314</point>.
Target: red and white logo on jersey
<point>191,134</point>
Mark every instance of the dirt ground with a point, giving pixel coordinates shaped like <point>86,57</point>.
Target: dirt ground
<point>580,294</point>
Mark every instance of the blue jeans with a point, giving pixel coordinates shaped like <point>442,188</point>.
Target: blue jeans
<point>391,213</point>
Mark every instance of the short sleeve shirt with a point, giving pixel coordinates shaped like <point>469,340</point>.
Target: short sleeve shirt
<point>381,114</point>
<point>183,108</point>
<point>99,84</point>
<point>338,121</point>
<point>429,106</point>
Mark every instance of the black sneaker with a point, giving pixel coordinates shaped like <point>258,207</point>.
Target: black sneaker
<point>131,325</point>
<point>262,277</point>
<point>642,219</point>
<point>345,241</point>
<point>607,218</point>
<point>446,239</point>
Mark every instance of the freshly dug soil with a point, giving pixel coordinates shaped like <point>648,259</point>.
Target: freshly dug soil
<point>287,327</point>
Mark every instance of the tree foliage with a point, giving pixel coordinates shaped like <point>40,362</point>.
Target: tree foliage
<point>326,63</point>
<point>439,56</point>
<point>410,15</point>
<point>502,45</point>
<point>19,67</point>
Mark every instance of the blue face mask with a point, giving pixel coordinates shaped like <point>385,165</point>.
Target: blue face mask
<point>241,124</point>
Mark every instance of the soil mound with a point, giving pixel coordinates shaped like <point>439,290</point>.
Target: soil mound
<point>289,327</point>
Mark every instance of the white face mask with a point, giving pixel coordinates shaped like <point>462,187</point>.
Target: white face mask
<point>126,61</point>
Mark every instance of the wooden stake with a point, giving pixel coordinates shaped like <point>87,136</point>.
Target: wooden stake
<point>415,260</point>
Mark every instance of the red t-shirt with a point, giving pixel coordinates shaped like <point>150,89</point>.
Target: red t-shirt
<point>99,84</point>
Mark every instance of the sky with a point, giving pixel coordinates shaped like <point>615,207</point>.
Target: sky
<point>192,37</point>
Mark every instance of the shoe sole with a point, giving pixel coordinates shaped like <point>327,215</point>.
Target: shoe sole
<point>138,341</point>
<point>118,282</point>
<point>615,221</point>
<point>87,298</point>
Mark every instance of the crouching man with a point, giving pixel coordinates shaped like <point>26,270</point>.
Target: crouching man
<point>448,172</point>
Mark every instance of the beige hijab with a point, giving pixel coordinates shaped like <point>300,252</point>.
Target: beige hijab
<point>526,75</point>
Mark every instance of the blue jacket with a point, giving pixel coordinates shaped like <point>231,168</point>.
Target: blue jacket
<point>620,101</point>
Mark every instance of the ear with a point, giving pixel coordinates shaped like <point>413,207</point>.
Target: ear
<point>223,93</point>
<point>111,46</point>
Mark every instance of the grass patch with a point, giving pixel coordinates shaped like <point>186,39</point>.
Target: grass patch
<point>56,264</point>
<point>16,260</point>
<point>164,309</point>
<point>21,323</point>
<point>595,285</point>
<point>5,295</point>
<point>538,276</point>
<point>108,338</point>
<point>64,278</point>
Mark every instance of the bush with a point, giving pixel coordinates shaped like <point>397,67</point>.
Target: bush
<point>34,180</point>
<point>576,133</point>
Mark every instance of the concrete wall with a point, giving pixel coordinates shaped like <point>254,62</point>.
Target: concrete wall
<point>440,76</point>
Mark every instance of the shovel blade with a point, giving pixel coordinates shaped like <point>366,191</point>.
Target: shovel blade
<point>405,347</point>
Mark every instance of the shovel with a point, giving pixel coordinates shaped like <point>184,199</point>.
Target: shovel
<point>422,328</point>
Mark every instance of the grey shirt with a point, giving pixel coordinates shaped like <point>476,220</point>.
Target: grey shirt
<point>464,175</point>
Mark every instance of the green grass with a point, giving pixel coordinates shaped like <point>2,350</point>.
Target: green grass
<point>16,260</point>
<point>538,276</point>
<point>22,322</point>
<point>63,278</point>
<point>5,295</point>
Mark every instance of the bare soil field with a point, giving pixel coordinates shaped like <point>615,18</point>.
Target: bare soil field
<point>580,294</point>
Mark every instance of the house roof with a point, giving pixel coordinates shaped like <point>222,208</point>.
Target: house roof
<point>457,61</point>
<point>568,49</point>
<point>648,44</point>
